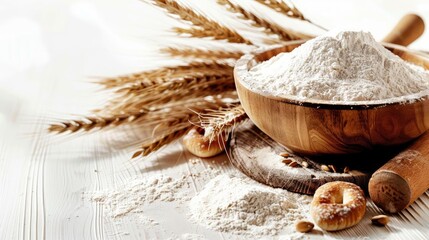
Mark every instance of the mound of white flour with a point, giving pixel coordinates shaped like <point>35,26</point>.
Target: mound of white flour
<point>342,66</point>
<point>242,206</point>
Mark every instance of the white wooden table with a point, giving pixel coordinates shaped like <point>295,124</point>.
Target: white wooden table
<point>47,51</point>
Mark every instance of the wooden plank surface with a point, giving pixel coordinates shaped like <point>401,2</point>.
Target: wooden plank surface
<point>43,179</point>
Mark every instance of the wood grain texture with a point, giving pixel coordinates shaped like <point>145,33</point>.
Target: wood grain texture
<point>322,127</point>
<point>247,140</point>
<point>44,181</point>
<point>407,30</point>
<point>403,179</point>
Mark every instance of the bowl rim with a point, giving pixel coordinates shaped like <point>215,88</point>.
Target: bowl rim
<point>243,64</point>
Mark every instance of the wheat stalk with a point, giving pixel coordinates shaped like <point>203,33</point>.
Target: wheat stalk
<point>183,100</point>
<point>142,99</point>
<point>97,122</point>
<point>192,81</point>
<point>208,33</point>
<point>225,119</point>
<point>165,139</point>
<point>143,115</point>
<point>281,7</point>
<point>287,9</point>
<point>202,53</point>
<point>182,124</point>
<point>202,26</point>
<point>157,76</point>
<point>269,27</point>
<point>187,110</point>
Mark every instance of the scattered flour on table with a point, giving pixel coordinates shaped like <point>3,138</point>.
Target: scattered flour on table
<point>232,204</point>
<point>242,206</point>
<point>267,157</point>
<point>338,66</point>
<point>132,197</point>
<point>187,236</point>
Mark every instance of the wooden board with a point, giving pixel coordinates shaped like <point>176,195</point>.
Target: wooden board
<point>257,155</point>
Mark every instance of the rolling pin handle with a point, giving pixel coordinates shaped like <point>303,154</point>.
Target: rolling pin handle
<point>403,179</point>
<point>406,31</point>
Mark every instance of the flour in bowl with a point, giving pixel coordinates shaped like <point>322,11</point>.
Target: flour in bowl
<point>341,66</point>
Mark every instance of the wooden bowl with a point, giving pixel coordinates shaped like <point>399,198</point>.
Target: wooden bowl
<point>317,127</point>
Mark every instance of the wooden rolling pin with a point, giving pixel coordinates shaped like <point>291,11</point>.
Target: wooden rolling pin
<point>406,31</point>
<point>400,181</point>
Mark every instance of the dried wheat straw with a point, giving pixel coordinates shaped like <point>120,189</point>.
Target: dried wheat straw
<point>281,7</point>
<point>196,53</point>
<point>97,122</point>
<point>221,121</point>
<point>202,26</point>
<point>269,27</point>
<point>159,142</point>
<point>178,126</point>
<point>141,99</point>
<point>198,79</point>
<point>157,76</point>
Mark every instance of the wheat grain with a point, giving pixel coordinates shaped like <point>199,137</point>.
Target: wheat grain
<point>157,76</point>
<point>140,115</point>
<point>140,99</point>
<point>270,27</point>
<point>281,7</point>
<point>202,53</point>
<point>221,121</point>
<point>97,122</point>
<point>202,26</point>
<point>170,115</point>
<point>181,124</point>
<point>169,82</point>
<point>287,9</point>
<point>158,143</point>
<point>208,33</point>
<point>198,79</point>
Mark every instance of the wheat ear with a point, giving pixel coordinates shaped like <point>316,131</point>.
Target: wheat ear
<point>187,111</point>
<point>269,27</point>
<point>182,123</point>
<point>184,82</point>
<point>146,116</point>
<point>202,26</point>
<point>220,121</point>
<point>147,99</point>
<point>165,139</point>
<point>281,7</point>
<point>202,53</point>
<point>97,122</point>
<point>157,76</point>
<point>287,9</point>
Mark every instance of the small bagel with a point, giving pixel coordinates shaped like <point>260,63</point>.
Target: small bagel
<point>338,205</point>
<point>201,146</point>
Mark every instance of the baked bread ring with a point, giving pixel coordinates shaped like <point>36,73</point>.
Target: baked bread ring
<point>338,205</point>
<point>201,146</point>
